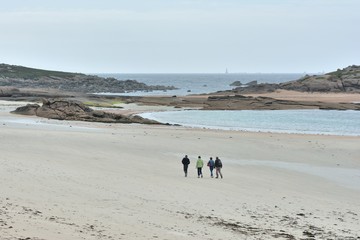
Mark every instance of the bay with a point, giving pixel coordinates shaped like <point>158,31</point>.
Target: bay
<point>328,122</point>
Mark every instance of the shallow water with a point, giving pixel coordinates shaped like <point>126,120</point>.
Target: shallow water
<point>284,121</point>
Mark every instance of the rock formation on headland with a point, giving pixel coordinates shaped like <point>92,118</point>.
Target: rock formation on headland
<point>23,77</point>
<point>62,109</point>
<point>343,80</point>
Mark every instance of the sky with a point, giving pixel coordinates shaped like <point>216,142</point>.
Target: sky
<point>181,36</point>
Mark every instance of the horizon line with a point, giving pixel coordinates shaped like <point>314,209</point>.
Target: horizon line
<point>204,73</point>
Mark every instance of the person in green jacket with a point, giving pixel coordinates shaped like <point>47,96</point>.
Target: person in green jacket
<point>199,166</point>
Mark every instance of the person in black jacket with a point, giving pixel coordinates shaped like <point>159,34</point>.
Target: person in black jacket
<point>218,166</point>
<point>185,162</point>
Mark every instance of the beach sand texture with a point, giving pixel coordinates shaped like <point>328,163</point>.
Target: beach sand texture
<point>74,180</point>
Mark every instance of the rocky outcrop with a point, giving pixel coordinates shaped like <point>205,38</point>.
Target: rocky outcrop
<point>236,84</point>
<point>239,102</point>
<point>257,88</point>
<point>8,91</point>
<point>22,77</point>
<point>252,83</point>
<point>345,80</point>
<point>62,109</point>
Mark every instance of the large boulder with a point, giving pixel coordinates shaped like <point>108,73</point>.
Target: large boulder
<point>63,109</point>
<point>236,84</point>
<point>252,83</point>
<point>29,109</point>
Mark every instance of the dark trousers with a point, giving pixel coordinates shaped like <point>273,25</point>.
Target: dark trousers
<point>185,168</point>
<point>199,171</point>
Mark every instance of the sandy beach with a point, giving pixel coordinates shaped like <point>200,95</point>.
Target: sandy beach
<point>81,180</point>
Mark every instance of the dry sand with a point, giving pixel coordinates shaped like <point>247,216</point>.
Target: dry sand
<point>74,180</point>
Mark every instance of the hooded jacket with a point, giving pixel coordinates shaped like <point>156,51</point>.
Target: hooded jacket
<point>199,163</point>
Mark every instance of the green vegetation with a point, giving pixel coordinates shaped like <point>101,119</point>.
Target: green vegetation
<point>110,104</point>
<point>351,70</point>
<point>12,71</point>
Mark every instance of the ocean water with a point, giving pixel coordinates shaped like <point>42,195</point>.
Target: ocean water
<point>327,122</point>
<point>199,83</point>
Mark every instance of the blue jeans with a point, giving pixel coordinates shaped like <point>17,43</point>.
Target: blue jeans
<point>211,170</point>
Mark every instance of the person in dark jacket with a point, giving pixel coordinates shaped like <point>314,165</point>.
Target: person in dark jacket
<point>218,166</point>
<point>185,162</point>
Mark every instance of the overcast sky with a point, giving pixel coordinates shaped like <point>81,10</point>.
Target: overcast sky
<point>181,36</point>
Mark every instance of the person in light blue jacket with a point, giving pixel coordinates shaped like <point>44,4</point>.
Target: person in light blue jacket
<point>211,165</point>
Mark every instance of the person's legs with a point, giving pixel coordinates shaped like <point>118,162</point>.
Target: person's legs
<point>185,170</point>
<point>217,172</point>
<point>199,172</point>
<point>211,171</point>
<point>220,173</point>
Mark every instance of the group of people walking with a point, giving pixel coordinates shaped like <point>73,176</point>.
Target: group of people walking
<point>217,165</point>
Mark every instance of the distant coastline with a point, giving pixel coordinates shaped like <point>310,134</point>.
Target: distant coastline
<point>334,91</point>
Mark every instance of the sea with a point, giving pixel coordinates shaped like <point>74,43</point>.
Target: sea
<point>198,83</point>
<point>325,122</point>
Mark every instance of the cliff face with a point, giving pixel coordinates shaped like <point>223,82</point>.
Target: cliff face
<point>345,80</point>
<point>22,77</point>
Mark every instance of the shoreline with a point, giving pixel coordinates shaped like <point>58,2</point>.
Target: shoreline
<point>175,118</point>
<point>146,111</point>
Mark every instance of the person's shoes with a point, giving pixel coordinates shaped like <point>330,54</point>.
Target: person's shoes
<point>201,176</point>
<point>217,177</point>
<point>198,176</point>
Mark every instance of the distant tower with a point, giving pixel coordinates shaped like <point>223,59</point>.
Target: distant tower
<point>226,71</point>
